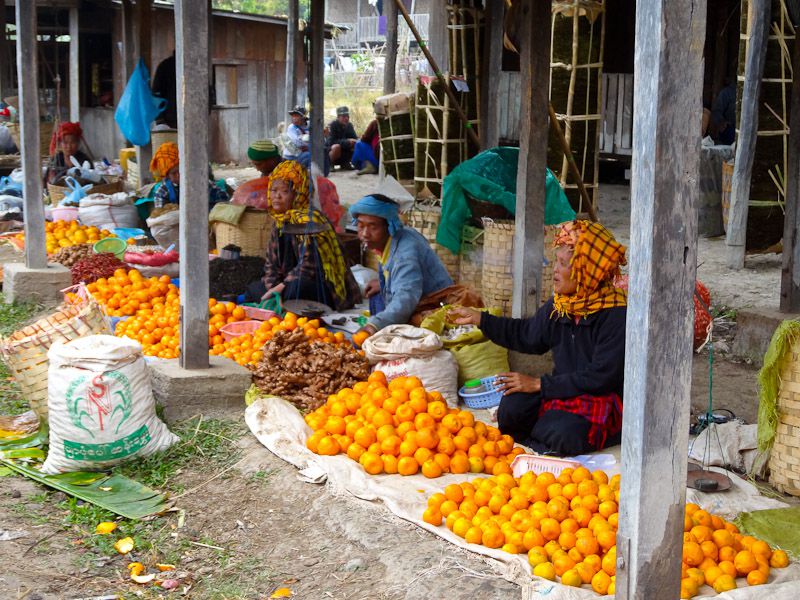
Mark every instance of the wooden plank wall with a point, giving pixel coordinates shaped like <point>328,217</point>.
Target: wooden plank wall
<point>249,66</point>
<point>615,134</point>
<point>509,89</point>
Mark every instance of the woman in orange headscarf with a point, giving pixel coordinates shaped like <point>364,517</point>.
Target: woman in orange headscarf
<point>65,145</point>
<point>165,167</point>
<point>578,407</point>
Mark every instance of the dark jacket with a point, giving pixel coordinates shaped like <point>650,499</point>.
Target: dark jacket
<point>339,134</point>
<point>165,86</point>
<point>588,357</point>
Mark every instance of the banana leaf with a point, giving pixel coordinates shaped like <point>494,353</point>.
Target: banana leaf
<point>34,440</point>
<point>116,493</point>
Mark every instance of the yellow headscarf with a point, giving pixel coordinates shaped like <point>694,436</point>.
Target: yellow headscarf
<point>330,250</point>
<point>165,158</point>
<point>596,259</point>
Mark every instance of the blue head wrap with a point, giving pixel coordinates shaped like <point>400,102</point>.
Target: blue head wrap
<point>378,206</point>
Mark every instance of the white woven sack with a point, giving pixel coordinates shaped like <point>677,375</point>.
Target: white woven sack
<point>405,350</point>
<point>108,212</point>
<point>101,406</point>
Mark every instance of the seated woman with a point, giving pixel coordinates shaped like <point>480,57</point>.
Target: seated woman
<point>578,407</point>
<point>63,147</point>
<point>412,279</point>
<point>166,165</point>
<point>366,154</point>
<point>304,259</point>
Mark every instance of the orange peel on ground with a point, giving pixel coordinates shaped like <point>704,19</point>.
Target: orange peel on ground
<point>124,545</point>
<point>105,527</point>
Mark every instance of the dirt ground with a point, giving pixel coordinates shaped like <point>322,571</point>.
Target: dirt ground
<point>256,527</point>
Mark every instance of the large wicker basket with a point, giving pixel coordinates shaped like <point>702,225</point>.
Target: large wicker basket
<point>113,185</point>
<point>784,459</point>
<point>45,133</point>
<point>251,234</point>
<point>470,260</point>
<point>498,258</point>
<point>425,219</point>
<point>25,351</point>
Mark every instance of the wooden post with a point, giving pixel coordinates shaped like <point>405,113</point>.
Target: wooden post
<point>317,83</point>
<point>144,8</point>
<point>5,62</point>
<point>663,261</point>
<point>27,73</point>
<point>74,67</point>
<point>129,38</point>
<point>390,64</point>
<point>758,20</point>
<point>529,229</point>
<point>437,34</point>
<point>191,54</point>
<point>790,271</point>
<point>290,98</point>
<point>490,109</point>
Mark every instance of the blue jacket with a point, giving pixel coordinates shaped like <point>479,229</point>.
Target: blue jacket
<point>588,356</point>
<point>413,271</point>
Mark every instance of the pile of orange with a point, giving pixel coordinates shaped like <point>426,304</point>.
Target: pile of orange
<point>127,292</point>
<point>60,234</point>
<point>567,525</point>
<point>247,349</point>
<point>399,427</point>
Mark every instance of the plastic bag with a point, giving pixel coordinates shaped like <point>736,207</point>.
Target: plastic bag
<point>77,194</point>
<point>155,259</point>
<point>252,193</point>
<point>138,107</point>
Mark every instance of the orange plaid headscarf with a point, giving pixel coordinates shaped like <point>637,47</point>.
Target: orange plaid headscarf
<point>596,259</point>
<point>296,176</point>
<point>165,158</point>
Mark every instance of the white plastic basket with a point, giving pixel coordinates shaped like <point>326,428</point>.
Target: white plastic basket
<point>523,463</point>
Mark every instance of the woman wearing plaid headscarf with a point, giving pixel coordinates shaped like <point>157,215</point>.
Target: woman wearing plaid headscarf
<point>578,407</point>
<point>304,258</point>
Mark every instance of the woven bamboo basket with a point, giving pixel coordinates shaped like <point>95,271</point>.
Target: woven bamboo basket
<point>45,133</point>
<point>25,351</point>
<point>251,233</point>
<point>470,265</point>
<point>425,219</point>
<point>113,185</point>
<point>498,257</point>
<point>784,459</point>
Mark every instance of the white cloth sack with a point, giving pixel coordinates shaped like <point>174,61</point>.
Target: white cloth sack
<point>403,350</point>
<point>108,212</point>
<point>101,406</point>
<point>733,443</point>
<point>165,229</point>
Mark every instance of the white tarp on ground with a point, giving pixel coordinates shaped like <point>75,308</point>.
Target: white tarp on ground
<point>281,428</point>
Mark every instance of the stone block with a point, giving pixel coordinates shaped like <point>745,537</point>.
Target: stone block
<point>214,392</point>
<point>754,330</point>
<point>44,286</point>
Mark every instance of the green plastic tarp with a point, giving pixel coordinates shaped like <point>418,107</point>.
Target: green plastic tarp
<point>491,176</point>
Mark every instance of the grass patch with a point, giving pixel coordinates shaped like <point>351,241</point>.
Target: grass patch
<point>12,317</point>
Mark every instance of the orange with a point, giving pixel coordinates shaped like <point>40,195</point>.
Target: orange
<point>335,425</point>
<point>756,578</point>
<point>437,410</point>
<point>600,582</point>
<point>408,447</point>
<point>606,538</point>
<point>609,561</point>
<point>562,564</point>
<point>459,464</point>
<point>587,545</point>
<point>355,450</point>
<point>492,538</point>
<point>328,446</point>
<point>427,438</point>
<point>557,510</point>
<point>461,526</point>
<point>607,508</point>
<point>422,455</point>
<point>728,568</point>
<point>554,490</point>
<point>372,463</point>
<point>424,421</point>
<point>382,417</point>
<point>452,423</point>
<point>377,377</point>
<point>454,492</point>
<point>724,583</point>
<point>701,517</point>
<point>779,559</point>
<point>701,533</point>
<point>389,463</point>
<point>697,575</point>
<point>407,465</point>
<point>467,418</point>
<point>710,574</point>
<point>365,436</point>
<point>475,464</point>
<point>745,562</point>
<point>410,383</point>
<point>692,554</point>
<point>571,578</point>
<point>726,553</point>
<point>688,587</point>
<point>474,535</point>
<point>391,445</point>
<point>431,469</point>
<point>722,537</point>
<point>710,549</point>
<point>762,549</point>
<point>550,528</point>
<point>545,570</point>
<point>567,540</point>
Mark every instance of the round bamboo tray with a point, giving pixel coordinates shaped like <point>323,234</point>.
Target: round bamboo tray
<point>45,133</point>
<point>113,185</point>
<point>251,234</point>
<point>784,459</point>
<point>25,351</point>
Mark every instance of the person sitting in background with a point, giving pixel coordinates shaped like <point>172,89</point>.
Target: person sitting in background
<point>264,155</point>
<point>165,167</point>
<point>304,258</point>
<point>578,407</point>
<point>63,147</point>
<point>411,278</point>
<point>295,138</point>
<point>723,115</point>
<point>342,138</point>
<point>367,150</point>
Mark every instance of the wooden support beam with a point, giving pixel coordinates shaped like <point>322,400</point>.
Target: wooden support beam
<point>5,62</point>
<point>490,109</point>
<point>437,34</point>
<point>27,74</point>
<point>191,40</point>
<point>317,83</point>
<point>663,261</point>
<point>74,67</point>
<point>128,38</point>
<point>790,271</point>
<point>290,98</point>
<point>143,16</point>
<point>390,64</point>
<point>758,20</point>
<point>531,172</point>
